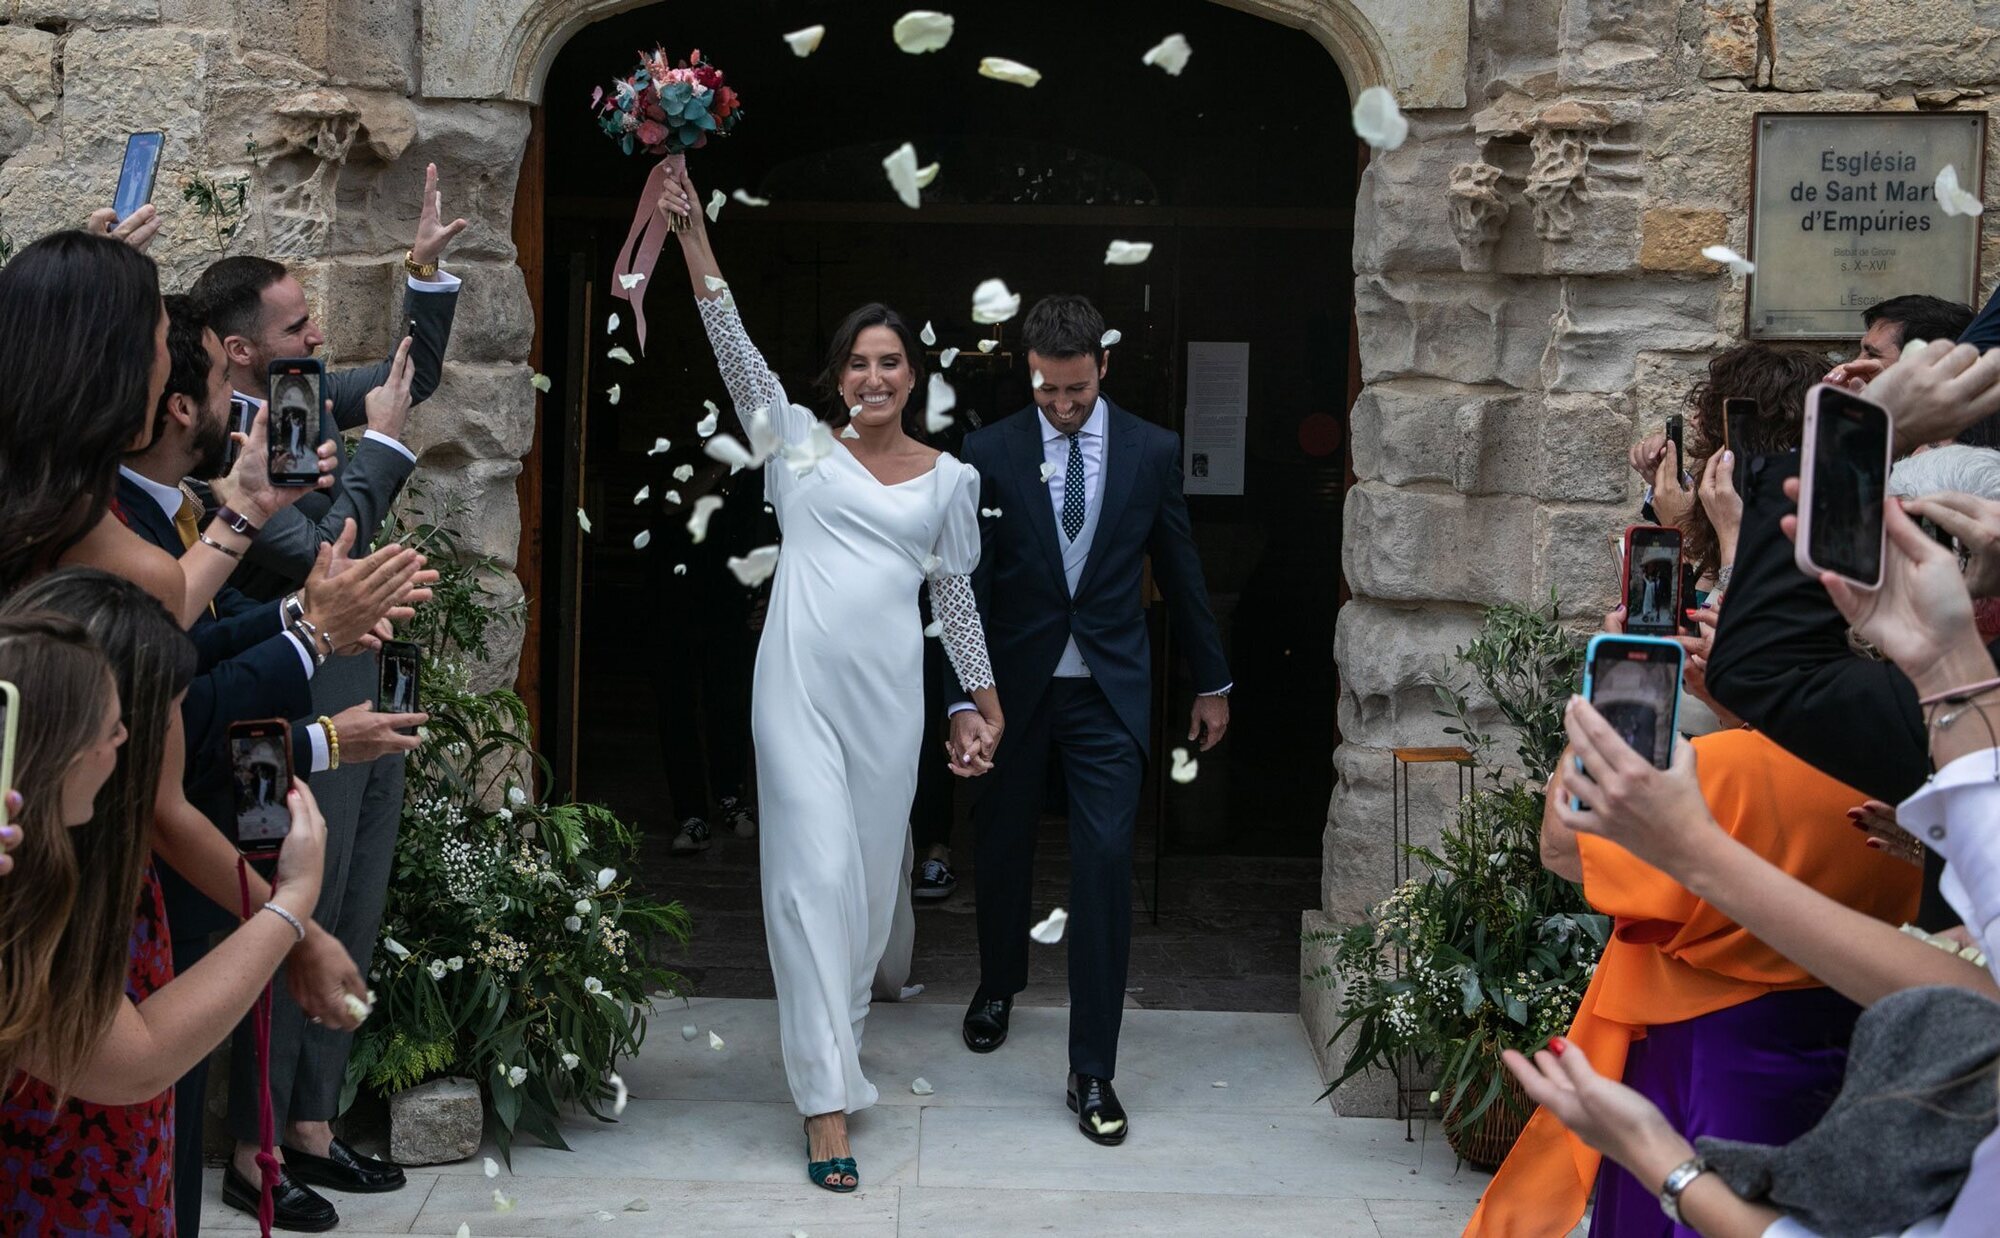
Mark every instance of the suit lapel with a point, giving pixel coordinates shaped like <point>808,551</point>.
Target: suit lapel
<point>147,520</point>
<point>1121,468</point>
<point>1028,459</point>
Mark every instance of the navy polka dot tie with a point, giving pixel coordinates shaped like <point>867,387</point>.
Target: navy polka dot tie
<point>1072,511</point>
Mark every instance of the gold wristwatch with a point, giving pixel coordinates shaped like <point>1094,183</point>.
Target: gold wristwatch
<point>418,270</point>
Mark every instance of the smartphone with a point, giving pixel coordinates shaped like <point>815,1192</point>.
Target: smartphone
<point>1738,413</point>
<point>1652,583</point>
<point>10,705</point>
<point>242,413</point>
<point>260,762</point>
<point>297,387</point>
<point>135,178</point>
<point>1635,682</point>
<point>398,667</point>
<point>1843,478</point>
<point>1674,437</point>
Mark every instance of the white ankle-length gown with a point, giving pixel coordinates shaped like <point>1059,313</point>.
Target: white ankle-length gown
<point>837,709</point>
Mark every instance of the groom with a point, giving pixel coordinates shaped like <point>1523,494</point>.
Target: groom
<point>1077,493</point>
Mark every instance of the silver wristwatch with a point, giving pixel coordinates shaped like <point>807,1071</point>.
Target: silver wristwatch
<point>1677,1181</point>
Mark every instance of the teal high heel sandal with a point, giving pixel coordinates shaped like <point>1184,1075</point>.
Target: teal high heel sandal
<point>836,1168</point>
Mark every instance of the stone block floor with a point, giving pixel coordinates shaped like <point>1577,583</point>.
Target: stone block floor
<point>710,1144</point>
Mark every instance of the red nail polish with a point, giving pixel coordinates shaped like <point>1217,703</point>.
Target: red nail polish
<point>1557,1045</point>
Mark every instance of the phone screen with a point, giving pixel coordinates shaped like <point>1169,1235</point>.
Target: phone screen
<point>398,694</point>
<point>260,758</point>
<point>1653,581</point>
<point>1850,476</point>
<point>9,711</point>
<point>135,178</point>
<point>293,430</point>
<point>1636,685</point>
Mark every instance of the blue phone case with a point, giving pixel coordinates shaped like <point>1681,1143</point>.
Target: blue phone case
<point>1680,668</point>
<point>135,178</point>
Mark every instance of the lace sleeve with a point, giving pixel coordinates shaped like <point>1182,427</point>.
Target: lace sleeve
<point>751,383</point>
<point>957,612</point>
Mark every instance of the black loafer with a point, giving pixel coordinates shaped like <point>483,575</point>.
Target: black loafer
<point>344,1169</point>
<point>986,1023</point>
<point>1098,1114</point>
<point>296,1206</point>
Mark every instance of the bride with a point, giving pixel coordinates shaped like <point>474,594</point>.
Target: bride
<point>837,703</point>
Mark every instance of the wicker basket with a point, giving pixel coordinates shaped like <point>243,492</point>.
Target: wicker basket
<point>1485,1143</point>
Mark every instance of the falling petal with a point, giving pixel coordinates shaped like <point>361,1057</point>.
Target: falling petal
<point>1001,69</point>
<point>645,492</point>
<point>680,569</point>
<point>991,303</point>
<point>704,507</point>
<point>1048,470</point>
<point>725,448</point>
<point>629,282</point>
<point>901,165</point>
<point>706,426</point>
<point>643,540</point>
<point>638,1205</point>
<point>803,458</point>
<point>500,1202</point>
<point>672,496</point>
<point>1109,338</point>
<point>848,431</point>
<point>715,284</point>
<point>1038,378</point>
<point>395,947</point>
<point>605,876</point>
<point>910,991</point>
<point>1738,265</point>
<point>492,1168</point>
<point>988,345</point>
<point>1171,54</point>
<point>749,199</point>
<point>764,436</point>
<point>927,174</point>
<point>934,629</point>
<point>922,30</point>
<point>946,357</point>
<point>928,335</point>
<point>1107,1128</point>
<point>1185,766</point>
<point>1954,199</point>
<point>931,564</point>
<point>938,404</point>
<point>1127,253</point>
<point>619,354</point>
<point>714,1041</point>
<point>620,1095</point>
<point>715,201</point>
<point>602,1215</point>
<point>683,472</point>
<point>611,326</point>
<point>992,512</point>
<point>1050,931</point>
<point>613,393</point>
<point>541,383</point>
<point>660,447</point>
<point>464,1230</point>
<point>689,1031</point>
<point>1378,121</point>
<point>806,42</point>
<point>755,568</point>
<point>582,520</point>
<point>921,1086</point>
<point>1218,1084</point>
<point>355,1007</point>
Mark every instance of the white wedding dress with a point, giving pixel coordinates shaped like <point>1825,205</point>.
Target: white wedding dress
<point>837,712</point>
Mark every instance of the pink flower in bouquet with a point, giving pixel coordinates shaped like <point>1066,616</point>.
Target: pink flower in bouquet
<point>651,132</point>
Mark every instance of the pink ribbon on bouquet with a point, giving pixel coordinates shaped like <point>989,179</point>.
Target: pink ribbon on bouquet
<point>641,250</point>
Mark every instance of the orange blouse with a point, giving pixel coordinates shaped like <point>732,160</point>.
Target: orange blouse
<point>1673,957</point>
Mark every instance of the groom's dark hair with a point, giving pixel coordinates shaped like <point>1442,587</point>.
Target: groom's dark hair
<point>1065,325</point>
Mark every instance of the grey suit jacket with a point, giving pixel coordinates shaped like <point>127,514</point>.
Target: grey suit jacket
<point>365,483</point>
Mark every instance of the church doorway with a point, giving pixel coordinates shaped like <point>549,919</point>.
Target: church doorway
<point>1242,174</point>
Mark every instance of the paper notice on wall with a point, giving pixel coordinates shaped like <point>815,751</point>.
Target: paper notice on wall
<point>1216,428</point>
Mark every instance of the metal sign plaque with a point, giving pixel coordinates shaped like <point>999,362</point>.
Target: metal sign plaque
<point>1844,213</point>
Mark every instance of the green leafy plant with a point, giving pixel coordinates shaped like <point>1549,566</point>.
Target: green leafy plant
<point>221,205</point>
<point>514,950</point>
<point>1485,949</point>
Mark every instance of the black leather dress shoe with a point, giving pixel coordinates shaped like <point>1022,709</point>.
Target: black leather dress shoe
<point>986,1023</point>
<point>296,1206</point>
<point>1098,1114</point>
<point>344,1169</point>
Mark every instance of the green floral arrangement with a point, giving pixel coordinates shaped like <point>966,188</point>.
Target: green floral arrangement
<point>1485,949</point>
<point>514,948</point>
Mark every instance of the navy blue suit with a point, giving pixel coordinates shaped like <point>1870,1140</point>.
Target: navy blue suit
<point>1099,727</point>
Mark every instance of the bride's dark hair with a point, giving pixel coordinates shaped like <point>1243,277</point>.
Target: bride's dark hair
<point>874,314</point>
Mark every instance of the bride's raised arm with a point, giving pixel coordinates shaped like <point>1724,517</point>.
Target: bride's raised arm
<point>751,383</point>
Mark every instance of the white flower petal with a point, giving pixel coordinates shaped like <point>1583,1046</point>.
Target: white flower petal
<point>1954,199</point>
<point>582,907</point>
<point>931,564</point>
<point>619,354</point>
<point>848,431</point>
<point>1170,53</point>
<point>592,985</point>
<point>938,405</point>
<point>991,303</point>
<point>492,1168</point>
<point>689,1031</point>
<point>764,437</point>
<point>934,629</point>
<point>643,539</point>
<point>714,1041</point>
<point>602,1215</point>
<point>573,923</point>
<point>806,42</point>
<point>946,357</point>
<point>992,512</point>
<point>1127,253</point>
<point>355,1007</point>
<point>437,969</point>
<point>706,426</point>
<point>725,448</point>
<point>1109,338</point>
<point>395,947</point>
<point>541,383</point>
<point>1048,471</point>
<point>1218,1084</point>
<point>605,876</point>
<point>910,991</point>
<point>928,335</point>
<point>645,492</point>
<point>803,458</point>
<point>629,282</point>
<point>620,1095</point>
<point>638,1205</point>
<point>921,1086</point>
<point>715,201</point>
<point>1050,931</point>
<point>988,345</point>
<point>921,30</point>
<point>583,520</point>
<point>613,393</point>
<point>749,199</point>
<point>704,507</point>
<point>680,569</point>
<point>660,447</point>
<point>517,797</point>
<point>672,496</point>
<point>756,567</point>
<point>516,1076</point>
<point>1185,766</point>
<point>457,961</point>
<point>464,1230</point>
<point>927,174</point>
<point>1001,69</point>
<point>500,1202</point>
<point>611,324</point>
<point>715,284</point>
<point>569,1061</point>
<point>901,165</point>
<point>684,472</point>
<point>1378,121</point>
<point>1737,263</point>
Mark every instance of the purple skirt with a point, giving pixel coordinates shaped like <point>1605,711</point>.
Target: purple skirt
<point>1763,1072</point>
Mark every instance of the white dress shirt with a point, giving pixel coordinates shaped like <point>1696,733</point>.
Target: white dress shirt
<point>169,499</point>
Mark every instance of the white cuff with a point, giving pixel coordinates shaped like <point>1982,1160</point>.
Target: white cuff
<point>445,282</point>
<point>1787,1227</point>
<point>959,707</point>
<point>316,734</point>
<point>1224,690</point>
<point>305,654</point>
<point>386,441</point>
<point>1951,814</point>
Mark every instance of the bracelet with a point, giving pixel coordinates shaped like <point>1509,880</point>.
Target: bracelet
<point>332,742</point>
<point>235,521</point>
<point>1959,696</point>
<point>298,930</point>
<point>1677,1182</point>
<point>302,628</point>
<point>212,544</point>
<point>1722,578</point>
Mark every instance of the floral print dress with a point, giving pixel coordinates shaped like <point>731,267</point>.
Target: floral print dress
<point>94,1169</point>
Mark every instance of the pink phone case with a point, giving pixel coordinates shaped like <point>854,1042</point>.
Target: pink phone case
<point>1801,554</point>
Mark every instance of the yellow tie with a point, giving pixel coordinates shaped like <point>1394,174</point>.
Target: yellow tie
<point>187,521</point>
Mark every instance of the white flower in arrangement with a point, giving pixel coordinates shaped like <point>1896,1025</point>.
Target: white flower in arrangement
<point>592,985</point>
<point>619,1096</point>
<point>516,1076</point>
<point>437,969</point>
<point>605,876</point>
<point>516,796</point>
<point>569,1061</point>
<point>574,924</point>
<point>583,906</point>
<point>505,816</point>
<point>395,947</point>
<point>455,963</point>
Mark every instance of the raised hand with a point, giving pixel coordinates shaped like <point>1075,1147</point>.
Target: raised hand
<point>388,406</point>
<point>1935,390</point>
<point>247,486</point>
<point>295,885</point>
<point>137,230</point>
<point>1720,501</point>
<point>346,598</point>
<point>1657,815</point>
<point>1646,453</point>
<point>677,197</point>
<point>433,235</point>
<point>1975,522</point>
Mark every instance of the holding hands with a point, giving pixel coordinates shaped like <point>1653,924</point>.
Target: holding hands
<point>973,742</point>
